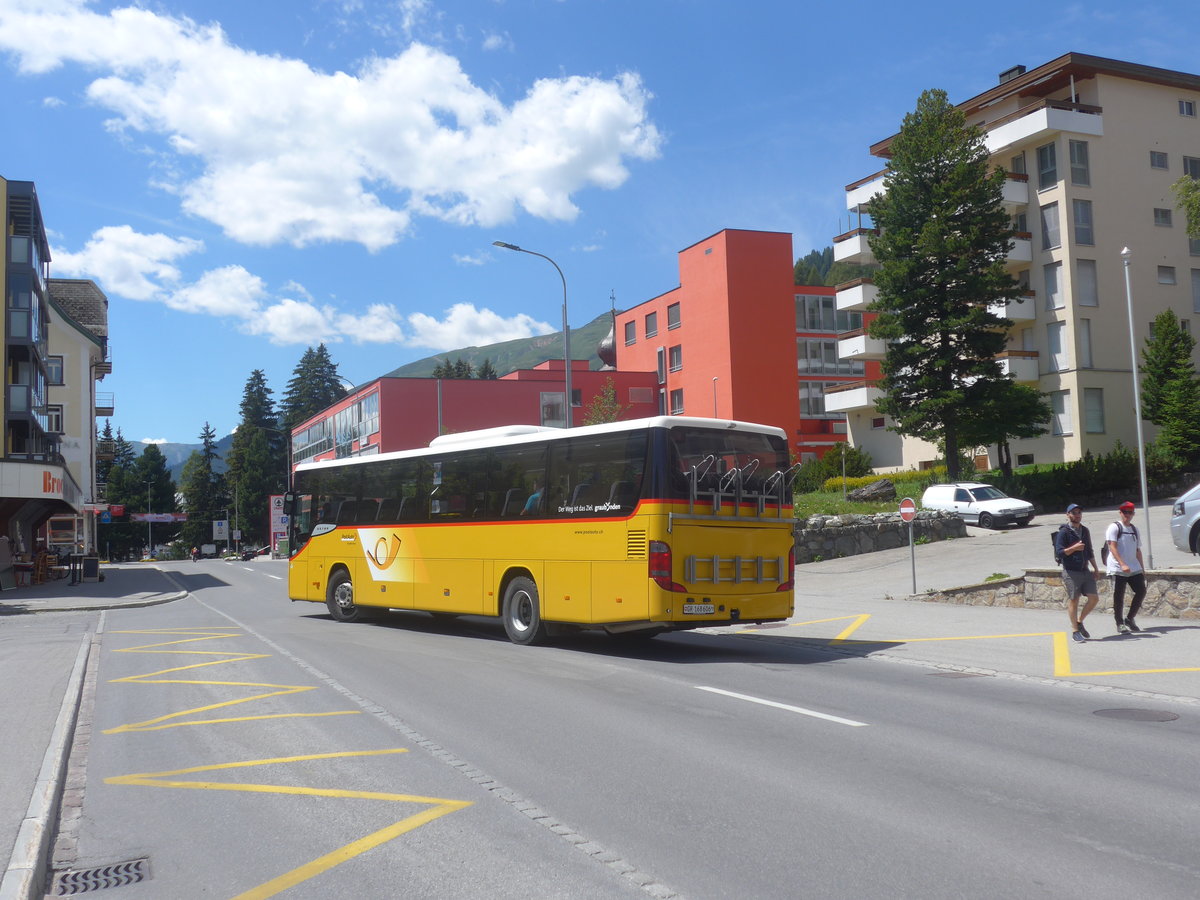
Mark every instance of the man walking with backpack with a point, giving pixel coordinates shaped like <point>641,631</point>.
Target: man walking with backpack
<point>1073,550</point>
<point>1124,564</point>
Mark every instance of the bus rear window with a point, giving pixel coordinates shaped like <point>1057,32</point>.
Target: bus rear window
<point>721,459</point>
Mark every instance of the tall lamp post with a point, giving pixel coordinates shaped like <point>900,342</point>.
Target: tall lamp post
<point>566,327</point>
<point>149,524</point>
<point>1126,255</point>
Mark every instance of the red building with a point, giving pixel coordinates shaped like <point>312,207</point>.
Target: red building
<point>403,413</point>
<point>738,340</point>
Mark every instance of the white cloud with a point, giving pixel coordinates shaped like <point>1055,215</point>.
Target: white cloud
<point>53,102</point>
<point>290,154</point>
<point>464,326</point>
<point>155,441</point>
<point>134,265</point>
<point>467,259</point>
<point>494,41</point>
<point>228,291</point>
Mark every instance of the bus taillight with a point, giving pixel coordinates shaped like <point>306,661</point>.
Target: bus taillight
<point>660,567</point>
<point>790,584</point>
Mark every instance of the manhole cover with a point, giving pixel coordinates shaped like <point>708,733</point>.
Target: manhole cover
<point>82,881</point>
<point>1138,715</point>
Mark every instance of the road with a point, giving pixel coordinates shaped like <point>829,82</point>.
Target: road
<point>245,746</point>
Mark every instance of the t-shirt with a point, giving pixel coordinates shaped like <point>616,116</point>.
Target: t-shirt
<point>1128,543</point>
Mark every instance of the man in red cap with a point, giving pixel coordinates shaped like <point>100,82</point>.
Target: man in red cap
<point>1126,567</point>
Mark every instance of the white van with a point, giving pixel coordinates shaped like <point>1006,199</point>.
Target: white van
<point>1185,521</point>
<point>979,504</point>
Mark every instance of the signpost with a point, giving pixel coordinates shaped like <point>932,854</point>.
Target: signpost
<point>908,512</point>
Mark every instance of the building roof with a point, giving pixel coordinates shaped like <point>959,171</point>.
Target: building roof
<point>83,302</point>
<point>1056,75</point>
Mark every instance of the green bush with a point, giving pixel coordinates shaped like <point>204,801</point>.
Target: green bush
<point>912,479</point>
<point>1057,485</point>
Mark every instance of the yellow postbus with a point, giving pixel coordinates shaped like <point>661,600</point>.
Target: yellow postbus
<point>636,527</point>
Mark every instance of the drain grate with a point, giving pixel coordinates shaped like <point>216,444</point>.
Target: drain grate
<point>1137,715</point>
<point>82,881</point>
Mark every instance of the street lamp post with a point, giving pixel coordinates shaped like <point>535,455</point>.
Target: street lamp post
<point>149,524</point>
<point>566,327</point>
<point>1126,255</point>
<point>714,396</point>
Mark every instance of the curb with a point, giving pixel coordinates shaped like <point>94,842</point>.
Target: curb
<point>25,875</point>
<point>134,604</point>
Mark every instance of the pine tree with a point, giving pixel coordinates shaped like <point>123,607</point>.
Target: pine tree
<point>156,494</point>
<point>203,490</point>
<point>487,372</point>
<point>603,407</point>
<point>315,385</point>
<point>443,370</point>
<point>256,459</point>
<point>941,247</point>
<point>1166,359</point>
<point>463,369</point>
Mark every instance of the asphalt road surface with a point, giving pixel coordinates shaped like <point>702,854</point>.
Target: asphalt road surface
<point>247,747</point>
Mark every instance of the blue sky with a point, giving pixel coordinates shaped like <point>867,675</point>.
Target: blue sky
<point>244,180</point>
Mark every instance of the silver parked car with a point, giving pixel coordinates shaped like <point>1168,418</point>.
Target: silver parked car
<point>979,504</point>
<point>1185,521</point>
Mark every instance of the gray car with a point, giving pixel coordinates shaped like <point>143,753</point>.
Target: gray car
<point>1185,521</point>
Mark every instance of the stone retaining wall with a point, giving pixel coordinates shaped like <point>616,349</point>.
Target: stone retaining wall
<point>833,537</point>
<point>1170,593</point>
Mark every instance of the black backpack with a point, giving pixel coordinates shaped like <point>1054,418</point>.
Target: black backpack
<point>1054,542</point>
<point>1120,531</point>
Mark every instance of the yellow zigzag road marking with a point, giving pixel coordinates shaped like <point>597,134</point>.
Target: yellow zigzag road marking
<point>1059,643</point>
<point>437,807</point>
<point>190,636</point>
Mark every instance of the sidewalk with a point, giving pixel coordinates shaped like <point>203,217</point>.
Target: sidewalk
<point>124,584</point>
<point>42,661</point>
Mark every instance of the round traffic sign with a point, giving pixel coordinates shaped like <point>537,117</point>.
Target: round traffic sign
<point>908,509</point>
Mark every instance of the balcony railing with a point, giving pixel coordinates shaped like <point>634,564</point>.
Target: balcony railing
<point>105,404</point>
<point>856,295</point>
<point>1020,365</point>
<point>852,246</point>
<point>852,395</point>
<point>1022,307</point>
<point>859,345</point>
<point>1040,119</point>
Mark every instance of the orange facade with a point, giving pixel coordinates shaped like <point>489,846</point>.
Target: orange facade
<point>738,340</point>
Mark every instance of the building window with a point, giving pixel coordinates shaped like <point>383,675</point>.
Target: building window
<point>1191,166</point>
<point>1196,290</point>
<point>1158,160</point>
<point>673,316</point>
<point>1060,404</point>
<point>54,370</point>
<point>1024,459</point>
<point>1050,233</point>
<point>651,324</point>
<point>1084,233</point>
<point>1054,297</point>
<point>675,358</point>
<point>54,420</point>
<point>553,413</point>
<point>1166,274</point>
<point>1047,167</point>
<point>1093,410</point>
<point>1162,217</point>
<point>660,357</point>
<point>1083,343</point>
<point>1187,108</point>
<point>821,358</point>
<point>630,333</point>
<point>1056,350</point>
<point>1194,246</point>
<point>1017,164</point>
<point>1080,171</point>
<point>879,421</point>
<point>1087,291</point>
<point>677,402</point>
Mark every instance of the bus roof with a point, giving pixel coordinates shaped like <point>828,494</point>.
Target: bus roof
<point>508,435</point>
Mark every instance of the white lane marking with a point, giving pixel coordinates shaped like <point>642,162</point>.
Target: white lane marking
<point>247,568</point>
<point>276,577</point>
<point>796,709</point>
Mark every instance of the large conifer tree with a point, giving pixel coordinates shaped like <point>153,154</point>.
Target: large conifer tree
<point>943,238</point>
<point>256,459</point>
<point>315,385</point>
<point>203,490</point>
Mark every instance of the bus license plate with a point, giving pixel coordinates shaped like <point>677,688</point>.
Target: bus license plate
<point>698,609</point>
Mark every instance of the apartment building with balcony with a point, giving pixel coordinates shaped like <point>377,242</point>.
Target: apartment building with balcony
<point>737,339</point>
<point>35,481</point>
<point>1091,147</point>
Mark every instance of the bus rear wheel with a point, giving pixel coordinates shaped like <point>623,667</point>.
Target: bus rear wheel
<point>339,598</point>
<point>522,612</point>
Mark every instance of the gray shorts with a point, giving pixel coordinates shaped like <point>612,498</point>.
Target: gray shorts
<point>1077,582</point>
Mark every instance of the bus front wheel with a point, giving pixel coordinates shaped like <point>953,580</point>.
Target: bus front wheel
<point>523,612</point>
<point>339,598</point>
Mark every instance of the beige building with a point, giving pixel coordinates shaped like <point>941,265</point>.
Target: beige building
<point>1091,147</point>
